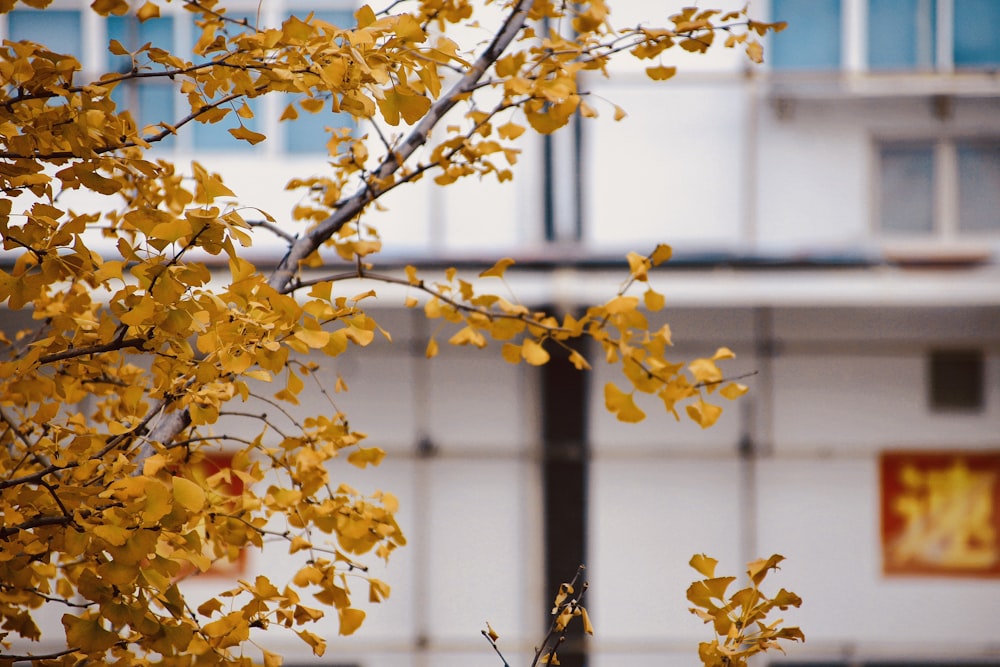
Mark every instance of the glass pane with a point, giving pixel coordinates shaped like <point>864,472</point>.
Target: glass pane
<point>901,34</point>
<point>906,201</point>
<point>307,133</point>
<point>216,137</point>
<point>979,187</point>
<point>151,101</point>
<point>977,40</point>
<point>812,39</point>
<point>132,34</point>
<point>56,28</point>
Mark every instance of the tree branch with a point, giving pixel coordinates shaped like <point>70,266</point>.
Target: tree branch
<point>73,352</point>
<point>305,246</point>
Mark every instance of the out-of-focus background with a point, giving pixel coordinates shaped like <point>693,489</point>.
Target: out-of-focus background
<point>835,216</point>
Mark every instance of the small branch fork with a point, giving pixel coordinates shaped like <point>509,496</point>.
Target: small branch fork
<point>566,607</point>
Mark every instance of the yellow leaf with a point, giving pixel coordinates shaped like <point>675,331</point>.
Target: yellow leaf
<point>510,131</point>
<point>210,186</point>
<point>654,300</point>
<point>758,568</point>
<point>622,304</point>
<point>350,620</point>
<point>733,390</point>
<point>246,134</point>
<point>271,659</point>
<point>587,627</point>
<point>619,113</point>
<point>363,456</point>
<point>210,607</point>
<point>432,349</point>
<point>114,535</point>
<point>638,265</point>
<point>534,353</point>
<point>227,625</point>
<point>377,590</point>
<point>258,374</point>
<point>188,494</point>
<point>723,353</point>
<point>511,353</point>
<point>314,338</point>
<point>661,254</point>
<point>364,16</point>
<point>105,7</point>
<point>705,371</point>
<point>299,543</point>
<point>756,52</point>
<point>704,565</point>
<point>660,72</point>
<point>148,11</point>
<point>578,361</point>
<point>411,275</point>
<point>87,635</point>
<point>317,643</point>
<point>621,404</point>
<point>497,269</point>
<point>705,414</point>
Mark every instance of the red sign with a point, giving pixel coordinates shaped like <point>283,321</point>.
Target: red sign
<point>232,487</point>
<point>941,513</point>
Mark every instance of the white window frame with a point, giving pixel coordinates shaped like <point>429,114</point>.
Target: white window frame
<point>945,219</point>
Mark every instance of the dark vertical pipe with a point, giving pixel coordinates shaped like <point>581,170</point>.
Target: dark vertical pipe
<point>564,475</point>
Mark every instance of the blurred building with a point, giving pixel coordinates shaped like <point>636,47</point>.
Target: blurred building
<point>836,221</point>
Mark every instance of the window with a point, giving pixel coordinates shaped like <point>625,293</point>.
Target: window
<point>152,100</point>
<point>54,26</point>
<point>978,187</point>
<point>307,133</point>
<point>812,39</point>
<point>902,34</point>
<point>955,381</point>
<point>895,35</point>
<point>215,136</point>
<point>941,189</point>
<point>907,192</point>
<point>977,43</point>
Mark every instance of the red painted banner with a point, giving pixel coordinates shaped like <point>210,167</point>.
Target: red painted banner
<point>941,513</point>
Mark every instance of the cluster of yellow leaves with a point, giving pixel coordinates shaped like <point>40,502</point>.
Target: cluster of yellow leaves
<point>111,403</point>
<point>620,327</point>
<point>739,620</point>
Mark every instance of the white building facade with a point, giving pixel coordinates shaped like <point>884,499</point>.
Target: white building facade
<point>835,216</point>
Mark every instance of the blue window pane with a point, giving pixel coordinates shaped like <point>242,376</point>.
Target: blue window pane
<point>308,133</point>
<point>812,39</point>
<point>151,101</point>
<point>132,34</point>
<point>56,28</point>
<point>907,188</point>
<point>901,34</point>
<point>216,136</point>
<point>979,188</point>
<point>977,39</point>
